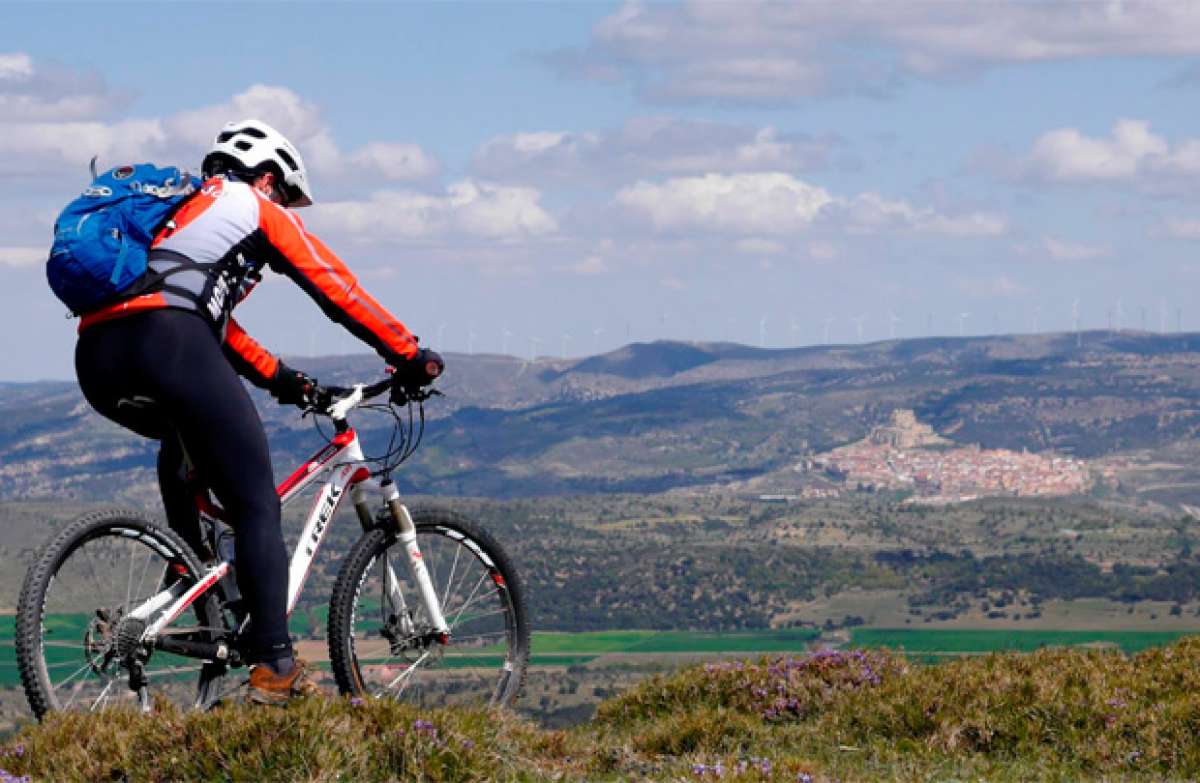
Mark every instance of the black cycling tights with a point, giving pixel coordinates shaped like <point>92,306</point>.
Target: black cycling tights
<point>172,358</point>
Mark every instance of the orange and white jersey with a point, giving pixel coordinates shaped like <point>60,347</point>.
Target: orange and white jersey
<point>210,255</point>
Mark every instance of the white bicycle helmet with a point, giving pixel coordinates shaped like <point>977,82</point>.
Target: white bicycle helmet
<point>252,145</point>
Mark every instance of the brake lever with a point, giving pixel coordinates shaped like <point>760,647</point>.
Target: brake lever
<point>419,395</point>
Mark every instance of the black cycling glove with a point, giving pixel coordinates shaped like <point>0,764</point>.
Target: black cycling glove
<point>293,387</point>
<point>421,370</point>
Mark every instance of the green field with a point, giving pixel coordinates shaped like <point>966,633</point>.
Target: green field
<point>600,642</point>
<point>967,641</point>
<point>571,649</point>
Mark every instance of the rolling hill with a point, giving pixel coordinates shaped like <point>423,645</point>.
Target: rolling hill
<point>659,416</point>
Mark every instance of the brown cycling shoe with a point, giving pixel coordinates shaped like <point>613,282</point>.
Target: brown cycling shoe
<point>267,687</point>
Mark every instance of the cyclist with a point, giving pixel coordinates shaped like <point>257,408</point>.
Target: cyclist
<point>165,361</point>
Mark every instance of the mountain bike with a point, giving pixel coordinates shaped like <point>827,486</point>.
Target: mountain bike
<point>426,606</point>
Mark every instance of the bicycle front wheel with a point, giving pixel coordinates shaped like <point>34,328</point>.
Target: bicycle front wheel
<point>77,635</point>
<point>382,643</point>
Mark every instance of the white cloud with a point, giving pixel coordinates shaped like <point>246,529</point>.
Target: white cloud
<point>33,94</point>
<point>870,212</point>
<point>1073,251</point>
<point>1132,152</point>
<point>36,145</point>
<point>23,256</point>
<point>588,267</point>
<point>778,204</point>
<point>822,251</point>
<point>15,66</point>
<point>1066,155</point>
<point>50,120</point>
<point>761,51</point>
<point>648,144</point>
<point>279,107</point>
<point>1183,228</point>
<point>473,208</point>
<point>302,123</point>
<point>397,162</point>
<point>760,246</point>
<point>770,203</point>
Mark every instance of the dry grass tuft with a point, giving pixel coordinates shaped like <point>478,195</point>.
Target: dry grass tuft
<point>1052,715</point>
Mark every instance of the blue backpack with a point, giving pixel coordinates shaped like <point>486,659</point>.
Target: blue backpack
<point>101,238</point>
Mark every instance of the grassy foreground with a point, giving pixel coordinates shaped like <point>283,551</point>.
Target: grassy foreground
<point>1054,714</point>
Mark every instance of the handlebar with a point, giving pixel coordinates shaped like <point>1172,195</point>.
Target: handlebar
<point>337,401</point>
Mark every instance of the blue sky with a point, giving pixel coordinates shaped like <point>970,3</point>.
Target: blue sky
<point>562,178</point>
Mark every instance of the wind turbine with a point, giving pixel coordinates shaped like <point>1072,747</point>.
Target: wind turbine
<point>828,321</point>
<point>893,319</point>
<point>858,323</point>
<point>471,341</point>
<point>795,330</point>
<point>762,332</point>
<point>507,333</point>
<point>1162,316</point>
<point>1037,318</point>
<point>566,338</point>
<point>962,324</point>
<point>1120,315</point>
<point>596,339</point>
<point>1075,322</point>
<point>534,343</point>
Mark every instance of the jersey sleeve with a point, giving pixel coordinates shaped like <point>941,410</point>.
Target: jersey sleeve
<point>323,276</point>
<point>248,357</point>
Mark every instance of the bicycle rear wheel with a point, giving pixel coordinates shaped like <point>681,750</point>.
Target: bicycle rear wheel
<point>382,643</point>
<point>75,638</point>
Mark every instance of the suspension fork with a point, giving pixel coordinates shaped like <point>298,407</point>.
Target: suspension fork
<point>407,534</point>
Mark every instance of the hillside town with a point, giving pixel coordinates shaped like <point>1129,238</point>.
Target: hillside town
<point>908,455</point>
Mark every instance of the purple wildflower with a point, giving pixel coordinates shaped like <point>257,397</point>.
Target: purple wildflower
<point>424,726</point>
<point>700,770</point>
<point>804,777</point>
<point>5,777</point>
<point>356,702</point>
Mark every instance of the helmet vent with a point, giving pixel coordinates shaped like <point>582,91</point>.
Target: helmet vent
<point>288,159</point>
<point>253,132</point>
<point>244,146</point>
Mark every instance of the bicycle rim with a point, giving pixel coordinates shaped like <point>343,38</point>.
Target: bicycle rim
<point>77,636</point>
<point>392,652</point>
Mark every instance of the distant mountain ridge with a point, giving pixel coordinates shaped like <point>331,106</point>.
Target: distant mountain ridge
<point>663,415</point>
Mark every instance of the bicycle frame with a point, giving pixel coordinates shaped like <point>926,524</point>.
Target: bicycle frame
<point>341,465</point>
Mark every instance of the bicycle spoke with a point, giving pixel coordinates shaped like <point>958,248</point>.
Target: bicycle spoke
<point>462,609</point>
<point>406,661</point>
<point>408,672</point>
<point>142,578</point>
<point>74,674</point>
<point>103,695</point>
<point>450,578</point>
<point>85,638</point>
<point>92,568</point>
